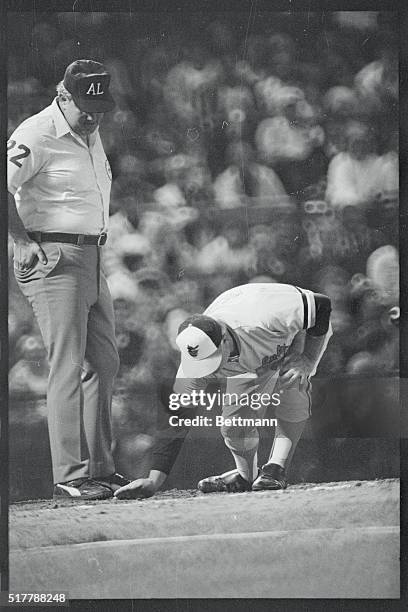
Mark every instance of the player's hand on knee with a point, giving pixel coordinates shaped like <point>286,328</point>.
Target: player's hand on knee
<point>26,252</point>
<point>137,489</point>
<point>295,370</point>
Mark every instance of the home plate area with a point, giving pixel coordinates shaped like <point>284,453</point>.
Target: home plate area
<point>330,540</point>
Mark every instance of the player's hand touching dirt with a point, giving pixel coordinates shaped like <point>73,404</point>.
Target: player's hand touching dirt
<point>295,370</point>
<point>137,489</point>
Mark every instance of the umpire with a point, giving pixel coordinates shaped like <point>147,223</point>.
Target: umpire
<point>59,182</point>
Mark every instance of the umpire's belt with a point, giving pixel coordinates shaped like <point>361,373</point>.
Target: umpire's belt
<point>69,238</point>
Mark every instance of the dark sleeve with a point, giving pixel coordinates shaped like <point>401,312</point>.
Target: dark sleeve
<point>169,440</point>
<point>323,310</point>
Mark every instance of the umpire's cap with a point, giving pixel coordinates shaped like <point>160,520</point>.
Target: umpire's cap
<point>88,83</point>
<point>199,340</point>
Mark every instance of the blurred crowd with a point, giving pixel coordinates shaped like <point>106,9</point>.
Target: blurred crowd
<point>260,149</point>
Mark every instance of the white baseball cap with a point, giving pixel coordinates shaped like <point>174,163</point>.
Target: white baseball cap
<point>199,340</point>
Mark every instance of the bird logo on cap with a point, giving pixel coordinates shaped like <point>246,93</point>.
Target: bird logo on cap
<point>192,350</point>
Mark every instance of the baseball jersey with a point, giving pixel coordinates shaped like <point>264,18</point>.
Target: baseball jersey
<point>264,319</point>
<point>59,183</point>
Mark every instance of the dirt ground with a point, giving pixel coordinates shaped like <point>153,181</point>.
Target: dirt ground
<point>317,540</point>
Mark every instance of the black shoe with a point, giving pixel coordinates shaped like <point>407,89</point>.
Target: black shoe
<point>229,482</point>
<point>271,478</point>
<point>81,489</point>
<point>113,482</point>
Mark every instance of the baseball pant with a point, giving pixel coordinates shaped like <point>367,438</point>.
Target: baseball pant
<point>73,307</point>
<point>294,405</point>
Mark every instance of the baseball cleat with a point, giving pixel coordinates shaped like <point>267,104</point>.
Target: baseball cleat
<point>81,489</point>
<point>113,482</point>
<point>271,478</point>
<point>229,482</point>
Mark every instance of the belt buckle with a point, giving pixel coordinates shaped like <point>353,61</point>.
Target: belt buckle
<point>102,239</point>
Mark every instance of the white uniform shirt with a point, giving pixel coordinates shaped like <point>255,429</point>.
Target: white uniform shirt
<point>264,319</point>
<point>59,183</point>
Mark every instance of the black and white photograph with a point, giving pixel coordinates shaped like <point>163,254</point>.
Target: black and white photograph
<point>203,303</point>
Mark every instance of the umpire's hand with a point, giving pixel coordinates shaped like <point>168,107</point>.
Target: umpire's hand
<point>137,489</point>
<point>25,254</point>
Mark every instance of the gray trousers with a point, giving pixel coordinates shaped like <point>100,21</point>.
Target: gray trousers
<point>73,307</point>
